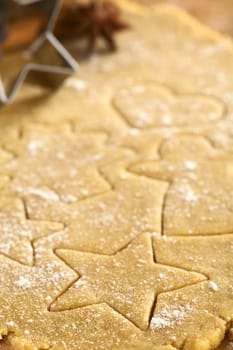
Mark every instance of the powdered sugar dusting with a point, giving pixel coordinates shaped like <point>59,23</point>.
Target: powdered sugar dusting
<point>43,193</point>
<point>23,282</point>
<point>187,193</point>
<point>159,322</point>
<point>190,165</point>
<point>76,84</point>
<point>213,286</point>
<point>168,318</point>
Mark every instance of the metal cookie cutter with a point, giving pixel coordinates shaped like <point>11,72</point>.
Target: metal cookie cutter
<point>70,65</point>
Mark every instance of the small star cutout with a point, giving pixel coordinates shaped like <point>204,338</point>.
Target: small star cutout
<point>25,295</point>
<point>70,65</point>
<point>66,164</point>
<point>128,281</point>
<point>200,188</point>
<point>18,233</point>
<point>105,223</point>
<point>211,256</point>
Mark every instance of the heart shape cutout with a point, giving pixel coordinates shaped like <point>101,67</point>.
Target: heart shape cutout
<point>147,105</point>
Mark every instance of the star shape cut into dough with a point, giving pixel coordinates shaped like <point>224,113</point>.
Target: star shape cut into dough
<point>197,316</point>
<point>212,256</point>
<point>128,281</point>
<point>66,164</point>
<point>27,323</point>
<point>201,185</point>
<point>18,233</point>
<point>105,223</point>
<point>70,65</point>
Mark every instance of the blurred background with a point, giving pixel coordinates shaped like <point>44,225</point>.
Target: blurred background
<point>218,14</point>
<point>80,24</point>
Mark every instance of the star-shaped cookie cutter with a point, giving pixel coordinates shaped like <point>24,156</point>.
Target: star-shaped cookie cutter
<point>70,67</point>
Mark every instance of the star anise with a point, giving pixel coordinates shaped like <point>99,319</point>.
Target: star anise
<point>93,20</point>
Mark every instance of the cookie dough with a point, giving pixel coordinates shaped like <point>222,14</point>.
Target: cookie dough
<point>116,228</point>
<point>200,189</point>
